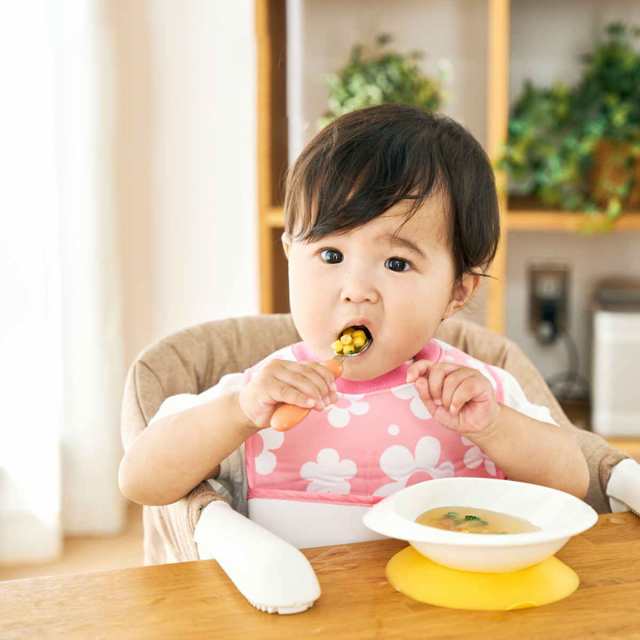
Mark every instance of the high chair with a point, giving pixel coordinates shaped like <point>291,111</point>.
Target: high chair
<point>194,359</point>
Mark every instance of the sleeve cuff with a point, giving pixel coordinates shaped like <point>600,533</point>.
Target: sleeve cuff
<point>623,488</point>
<point>515,398</point>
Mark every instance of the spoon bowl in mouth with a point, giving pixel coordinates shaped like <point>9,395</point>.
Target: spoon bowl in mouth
<point>337,346</point>
<point>366,345</point>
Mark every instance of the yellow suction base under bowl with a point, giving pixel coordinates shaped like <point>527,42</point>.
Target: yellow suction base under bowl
<point>426,581</point>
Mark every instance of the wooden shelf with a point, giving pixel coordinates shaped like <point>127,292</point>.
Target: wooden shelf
<point>526,214</point>
<point>517,220</point>
<point>562,221</point>
<point>272,152</point>
<point>274,217</point>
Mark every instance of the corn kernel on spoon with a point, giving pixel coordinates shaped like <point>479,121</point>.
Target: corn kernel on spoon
<point>352,343</point>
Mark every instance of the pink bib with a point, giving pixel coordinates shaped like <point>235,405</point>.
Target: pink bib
<point>377,439</point>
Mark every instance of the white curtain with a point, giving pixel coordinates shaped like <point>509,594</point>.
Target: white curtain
<point>62,367</point>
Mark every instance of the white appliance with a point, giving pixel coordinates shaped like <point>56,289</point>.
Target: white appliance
<point>615,380</point>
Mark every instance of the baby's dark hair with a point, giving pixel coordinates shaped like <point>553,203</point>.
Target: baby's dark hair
<point>366,161</point>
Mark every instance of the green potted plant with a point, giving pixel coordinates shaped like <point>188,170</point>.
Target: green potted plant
<point>578,148</point>
<point>378,77</point>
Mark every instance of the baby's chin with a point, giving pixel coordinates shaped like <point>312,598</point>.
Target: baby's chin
<point>366,366</point>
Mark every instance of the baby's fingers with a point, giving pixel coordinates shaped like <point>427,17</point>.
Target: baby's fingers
<point>312,378</point>
<point>453,381</point>
<point>422,384</point>
<point>417,369</point>
<point>436,377</point>
<point>281,391</point>
<point>306,382</point>
<point>325,380</point>
<point>472,388</point>
<point>288,386</point>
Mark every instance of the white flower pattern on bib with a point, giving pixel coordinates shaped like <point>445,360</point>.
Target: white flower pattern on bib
<point>400,464</point>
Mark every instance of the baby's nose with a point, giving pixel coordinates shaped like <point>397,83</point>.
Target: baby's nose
<point>358,290</point>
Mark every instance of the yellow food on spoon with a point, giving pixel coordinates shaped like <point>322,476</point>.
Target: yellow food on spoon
<point>351,341</point>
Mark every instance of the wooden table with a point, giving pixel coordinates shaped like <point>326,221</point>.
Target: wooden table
<point>196,600</point>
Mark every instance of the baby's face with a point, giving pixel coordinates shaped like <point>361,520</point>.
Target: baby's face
<point>401,290</point>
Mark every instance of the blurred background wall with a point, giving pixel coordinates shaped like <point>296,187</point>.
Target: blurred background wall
<point>185,162</point>
<point>129,200</point>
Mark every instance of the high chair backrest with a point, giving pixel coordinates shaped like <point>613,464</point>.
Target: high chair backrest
<point>194,359</point>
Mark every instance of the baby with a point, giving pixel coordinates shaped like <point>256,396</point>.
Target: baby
<point>391,220</point>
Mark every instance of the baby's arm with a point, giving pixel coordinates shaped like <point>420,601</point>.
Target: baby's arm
<point>176,452</point>
<point>534,451</point>
<point>527,449</point>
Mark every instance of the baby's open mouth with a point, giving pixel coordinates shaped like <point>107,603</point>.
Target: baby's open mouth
<point>352,340</point>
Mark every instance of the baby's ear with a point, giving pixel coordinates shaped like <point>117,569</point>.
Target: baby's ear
<point>463,290</point>
<point>286,243</point>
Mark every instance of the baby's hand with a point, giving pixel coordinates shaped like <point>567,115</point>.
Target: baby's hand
<point>304,384</point>
<point>458,397</point>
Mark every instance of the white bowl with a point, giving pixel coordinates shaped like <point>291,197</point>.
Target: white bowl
<point>559,516</point>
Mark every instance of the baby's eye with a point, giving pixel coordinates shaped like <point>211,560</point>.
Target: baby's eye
<point>332,256</point>
<point>397,264</point>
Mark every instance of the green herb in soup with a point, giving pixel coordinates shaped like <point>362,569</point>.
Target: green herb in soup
<point>471,520</point>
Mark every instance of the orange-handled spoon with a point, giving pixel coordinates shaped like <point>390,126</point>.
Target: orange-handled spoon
<point>287,416</point>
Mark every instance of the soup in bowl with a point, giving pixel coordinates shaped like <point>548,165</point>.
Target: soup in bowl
<point>482,524</point>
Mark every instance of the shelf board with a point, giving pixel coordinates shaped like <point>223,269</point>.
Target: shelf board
<point>544,220</point>
<point>526,214</point>
<point>274,218</point>
<point>517,220</point>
